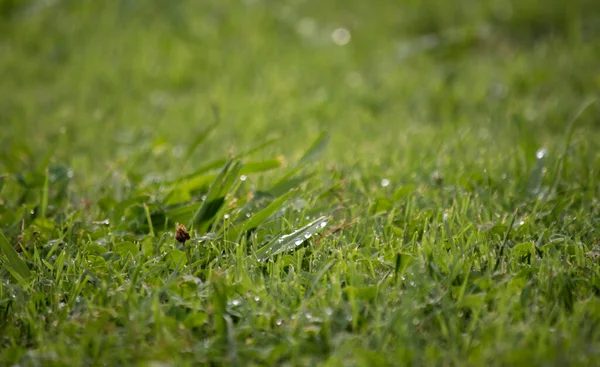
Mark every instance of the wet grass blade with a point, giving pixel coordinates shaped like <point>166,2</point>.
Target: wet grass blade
<point>292,240</point>
<point>14,263</point>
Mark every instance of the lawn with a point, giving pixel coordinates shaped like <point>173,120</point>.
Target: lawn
<point>365,183</point>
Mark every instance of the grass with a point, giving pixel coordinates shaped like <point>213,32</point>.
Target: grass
<point>422,193</point>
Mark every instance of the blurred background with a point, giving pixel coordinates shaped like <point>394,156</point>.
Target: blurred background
<point>398,84</point>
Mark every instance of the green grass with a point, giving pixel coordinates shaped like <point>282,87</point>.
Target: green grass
<point>426,194</point>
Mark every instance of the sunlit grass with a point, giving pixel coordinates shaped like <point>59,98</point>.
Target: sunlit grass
<point>377,183</point>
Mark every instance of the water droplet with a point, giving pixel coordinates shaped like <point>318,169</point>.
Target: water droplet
<point>415,321</point>
<point>279,322</point>
<point>243,178</point>
<point>256,299</point>
<point>323,224</point>
<point>248,215</point>
<point>307,235</point>
<point>541,153</point>
<point>385,182</point>
<point>226,216</point>
<point>298,241</point>
<point>236,302</point>
<point>341,36</point>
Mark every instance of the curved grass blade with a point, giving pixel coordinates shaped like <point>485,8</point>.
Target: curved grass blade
<point>261,166</point>
<point>291,241</point>
<point>14,263</point>
<point>315,149</point>
<point>199,139</point>
<point>287,183</point>
<point>258,218</point>
<point>216,196</point>
<point>256,148</point>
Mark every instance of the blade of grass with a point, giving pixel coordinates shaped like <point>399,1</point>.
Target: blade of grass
<point>45,193</point>
<point>198,140</point>
<point>14,262</point>
<point>569,135</point>
<point>215,197</point>
<point>315,149</point>
<point>264,214</point>
<point>291,241</point>
<point>262,166</point>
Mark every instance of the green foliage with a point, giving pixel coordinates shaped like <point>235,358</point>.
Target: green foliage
<point>373,183</point>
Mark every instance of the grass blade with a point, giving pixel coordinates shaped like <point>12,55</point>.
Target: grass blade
<point>45,193</point>
<point>14,262</point>
<point>292,240</point>
<point>261,166</point>
<point>216,196</point>
<point>199,139</point>
<point>264,214</point>
<point>315,149</point>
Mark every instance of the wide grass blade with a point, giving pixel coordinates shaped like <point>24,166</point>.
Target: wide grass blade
<point>14,263</point>
<point>260,166</point>
<point>291,241</point>
<point>264,214</point>
<point>216,196</point>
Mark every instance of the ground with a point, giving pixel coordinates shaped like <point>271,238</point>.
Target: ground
<point>364,183</point>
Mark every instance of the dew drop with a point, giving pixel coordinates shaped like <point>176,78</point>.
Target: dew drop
<point>243,178</point>
<point>385,182</point>
<point>341,36</point>
<point>541,153</point>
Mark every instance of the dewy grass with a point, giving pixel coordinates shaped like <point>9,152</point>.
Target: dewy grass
<point>228,183</point>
